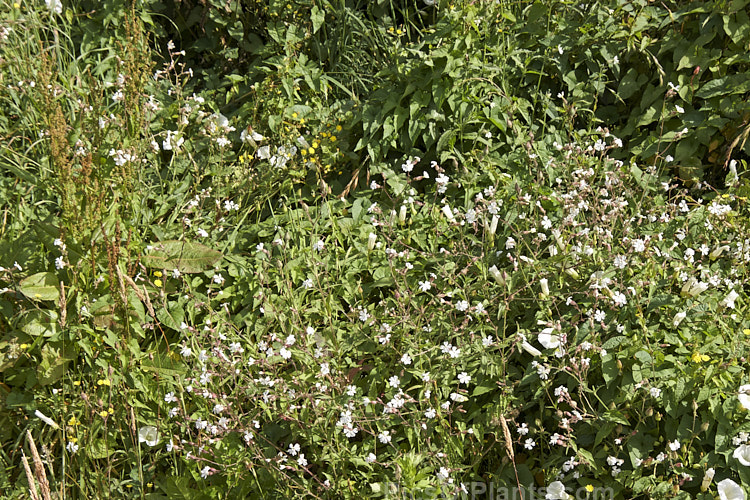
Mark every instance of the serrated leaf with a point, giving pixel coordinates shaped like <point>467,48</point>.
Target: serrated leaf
<point>185,256</point>
<point>41,286</point>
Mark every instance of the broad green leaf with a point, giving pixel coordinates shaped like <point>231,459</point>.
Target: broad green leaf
<point>185,256</point>
<point>40,322</point>
<point>41,286</point>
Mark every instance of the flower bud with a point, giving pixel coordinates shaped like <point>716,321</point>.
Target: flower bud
<point>402,214</point>
<point>545,287</point>
<point>718,251</point>
<point>495,273</point>
<point>707,478</point>
<point>493,225</point>
<point>693,288</point>
<point>371,241</point>
<point>678,318</point>
<point>572,273</point>
<point>448,213</point>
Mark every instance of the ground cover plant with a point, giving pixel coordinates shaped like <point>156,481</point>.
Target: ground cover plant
<point>395,250</point>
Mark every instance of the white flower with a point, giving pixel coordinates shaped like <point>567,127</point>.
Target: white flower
<point>556,491</point>
<point>544,284</point>
<point>394,381</point>
<point>430,413</point>
<point>464,378</point>
<point>72,447</point>
<point>744,396</point>
<point>529,444</point>
<point>620,262</point>
<point>678,318</point>
<point>302,461</point>
<point>205,471</point>
<point>548,339</point>
<point>293,449</point>
<point>54,5</point>
<point>707,478</point>
<point>619,299</point>
<point>364,315</point>
<point>742,453</point>
<point>462,305</point>
<point>655,392</point>
<point>729,490</point>
<point>384,437</point>
<point>371,458</point>
<point>149,435</point>
<point>496,275</point>
<point>694,287</point>
<point>529,348</point>
<point>728,301</point>
<point>674,445</point>
<point>424,286</point>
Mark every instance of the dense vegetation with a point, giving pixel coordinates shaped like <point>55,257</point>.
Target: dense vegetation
<point>337,249</point>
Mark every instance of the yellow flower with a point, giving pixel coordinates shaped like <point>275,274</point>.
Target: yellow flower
<point>157,274</point>
<point>338,128</point>
<point>103,414</point>
<point>333,138</point>
<point>24,346</point>
<point>158,283</point>
<point>301,121</point>
<point>76,382</point>
<point>590,488</point>
<point>312,150</point>
<point>303,151</point>
<point>699,358</point>
<point>17,5</point>
<point>103,381</point>
<point>746,331</point>
<point>294,115</point>
<point>111,410</point>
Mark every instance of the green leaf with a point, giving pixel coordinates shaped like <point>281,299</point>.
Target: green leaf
<point>41,286</point>
<point>483,389</point>
<point>318,17</point>
<point>615,416</point>
<point>54,360</point>
<point>185,256</point>
<point>39,322</point>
